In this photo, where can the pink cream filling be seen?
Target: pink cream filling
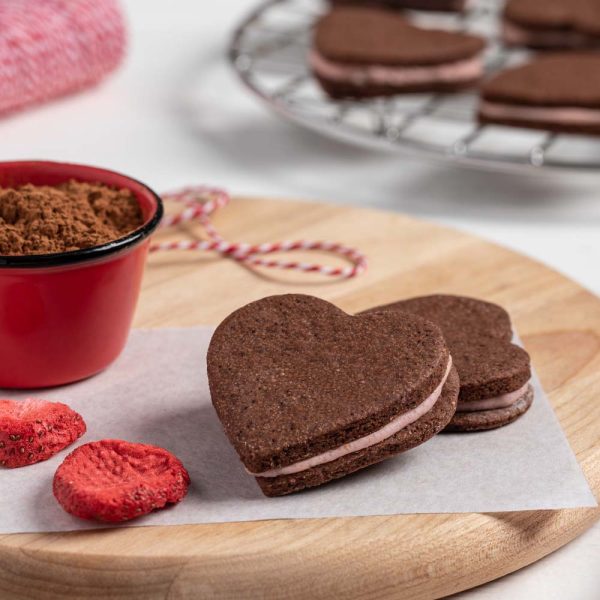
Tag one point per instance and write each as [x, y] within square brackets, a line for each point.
[501, 401]
[463, 70]
[367, 441]
[515, 35]
[566, 115]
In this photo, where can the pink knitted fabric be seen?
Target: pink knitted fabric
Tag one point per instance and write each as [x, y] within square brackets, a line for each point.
[53, 47]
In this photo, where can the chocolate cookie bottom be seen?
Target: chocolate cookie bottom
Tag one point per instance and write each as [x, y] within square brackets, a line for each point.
[491, 419]
[414, 434]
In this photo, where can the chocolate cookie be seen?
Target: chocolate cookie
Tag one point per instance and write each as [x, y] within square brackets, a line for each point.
[557, 92]
[552, 24]
[361, 52]
[494, 373]
[307, 393]
[434, 5]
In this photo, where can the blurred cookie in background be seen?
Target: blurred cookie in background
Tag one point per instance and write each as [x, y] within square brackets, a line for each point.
[556, 92]
[552, 24]
[361, 52]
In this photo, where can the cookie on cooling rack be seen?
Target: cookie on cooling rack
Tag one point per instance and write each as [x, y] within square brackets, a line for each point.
[494, 373]
[307, 393]
[433, 5]
[555, 92]
[552, 24]
[362, 52]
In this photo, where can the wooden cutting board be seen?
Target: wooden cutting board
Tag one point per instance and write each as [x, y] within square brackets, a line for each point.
[406, 556]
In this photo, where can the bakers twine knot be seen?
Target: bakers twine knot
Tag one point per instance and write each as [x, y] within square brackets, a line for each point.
[201, 202]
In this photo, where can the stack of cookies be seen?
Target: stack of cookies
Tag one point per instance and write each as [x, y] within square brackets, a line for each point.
[364, 49]
[307, 393]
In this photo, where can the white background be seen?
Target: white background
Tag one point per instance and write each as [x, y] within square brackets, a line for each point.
[175, 115]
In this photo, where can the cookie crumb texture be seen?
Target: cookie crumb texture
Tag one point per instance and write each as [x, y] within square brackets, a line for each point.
[34, 430]
[411, 436]
[115, 480]
[71, 216]
[479, 336]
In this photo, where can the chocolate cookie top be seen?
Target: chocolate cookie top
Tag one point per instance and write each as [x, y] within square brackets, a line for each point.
[579, 15]
[569, 79]
[370, 35]
[478, 334]
[456, 315]
[488, 367]
[293, 376]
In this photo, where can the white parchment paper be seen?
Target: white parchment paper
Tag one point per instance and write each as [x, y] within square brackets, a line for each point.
[157, 393]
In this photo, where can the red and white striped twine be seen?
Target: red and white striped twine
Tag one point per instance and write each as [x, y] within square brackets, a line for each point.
[201, 202]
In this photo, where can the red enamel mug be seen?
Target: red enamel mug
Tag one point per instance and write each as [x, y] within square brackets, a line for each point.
[66, 316]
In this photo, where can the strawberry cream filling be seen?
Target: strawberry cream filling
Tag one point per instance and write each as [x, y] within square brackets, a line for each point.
[463, 70]
[493, 403]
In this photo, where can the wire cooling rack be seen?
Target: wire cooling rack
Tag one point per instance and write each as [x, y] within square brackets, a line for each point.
[269, 50]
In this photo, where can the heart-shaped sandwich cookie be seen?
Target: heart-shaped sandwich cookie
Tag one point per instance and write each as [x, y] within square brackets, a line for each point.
[559, 92]
[361, 52]
[307, 393]
[494, 374]
[552, 24]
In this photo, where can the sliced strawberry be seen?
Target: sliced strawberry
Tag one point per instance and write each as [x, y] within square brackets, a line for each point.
[33, 430]
[114, 480]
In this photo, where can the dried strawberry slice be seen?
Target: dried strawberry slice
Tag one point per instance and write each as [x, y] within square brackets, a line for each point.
[114, 480]
[33, 430]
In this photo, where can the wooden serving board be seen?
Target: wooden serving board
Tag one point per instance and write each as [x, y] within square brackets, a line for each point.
[406, 556]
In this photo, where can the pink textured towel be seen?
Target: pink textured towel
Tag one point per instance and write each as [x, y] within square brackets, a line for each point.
[52, 47]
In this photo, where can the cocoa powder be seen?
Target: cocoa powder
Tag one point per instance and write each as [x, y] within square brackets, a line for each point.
[74, 215]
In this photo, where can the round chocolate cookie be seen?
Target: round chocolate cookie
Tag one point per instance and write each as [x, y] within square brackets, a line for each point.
[368, 51]
[307, 393]
[493, 372]
[557, 92]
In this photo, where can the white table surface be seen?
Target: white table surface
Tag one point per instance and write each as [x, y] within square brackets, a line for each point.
[174, 114]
